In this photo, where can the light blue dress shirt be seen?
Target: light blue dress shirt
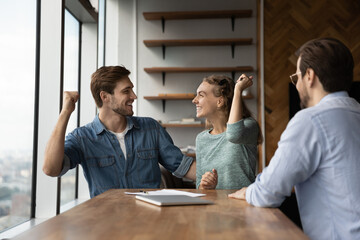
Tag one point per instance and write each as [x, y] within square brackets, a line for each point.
[319, 154]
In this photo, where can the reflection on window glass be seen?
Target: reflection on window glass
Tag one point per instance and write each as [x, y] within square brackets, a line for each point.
[71, 76]
[17, 84]
[101, 34]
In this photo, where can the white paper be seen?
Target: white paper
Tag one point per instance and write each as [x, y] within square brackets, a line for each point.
[167, 192]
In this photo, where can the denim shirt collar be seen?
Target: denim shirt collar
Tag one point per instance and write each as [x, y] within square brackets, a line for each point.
[99, 127]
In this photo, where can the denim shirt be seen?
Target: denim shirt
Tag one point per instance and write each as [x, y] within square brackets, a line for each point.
[105, 167]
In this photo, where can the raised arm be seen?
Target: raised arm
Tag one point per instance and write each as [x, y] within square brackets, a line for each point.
[54, 152]
[236, 112]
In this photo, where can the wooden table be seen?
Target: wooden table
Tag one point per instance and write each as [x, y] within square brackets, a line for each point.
[114, 215]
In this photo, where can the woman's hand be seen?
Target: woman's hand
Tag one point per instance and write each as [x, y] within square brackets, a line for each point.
[243, 82]
[209, 180]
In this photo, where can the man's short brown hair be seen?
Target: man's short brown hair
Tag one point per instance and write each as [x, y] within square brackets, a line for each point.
[331, 61]
[105, 79]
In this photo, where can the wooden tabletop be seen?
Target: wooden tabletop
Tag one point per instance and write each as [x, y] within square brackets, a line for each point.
[115, 215]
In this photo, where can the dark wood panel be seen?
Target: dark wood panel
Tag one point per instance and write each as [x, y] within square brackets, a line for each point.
[288, 25]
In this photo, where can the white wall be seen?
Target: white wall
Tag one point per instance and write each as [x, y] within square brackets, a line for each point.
[88, 107]
[208, 56]
[49, 100]
[49, 97]
[123, 17]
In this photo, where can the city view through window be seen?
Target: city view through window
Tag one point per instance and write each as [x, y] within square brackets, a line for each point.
[17, 84]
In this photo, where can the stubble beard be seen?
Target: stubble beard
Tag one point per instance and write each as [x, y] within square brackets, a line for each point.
[304, 100]
[123, 112]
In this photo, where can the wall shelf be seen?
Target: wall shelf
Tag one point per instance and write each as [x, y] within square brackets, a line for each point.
[198, 42]
[232, 14]
[177, 125]
[229, 39]
[164, 70]
[168, 98]
[164, 98]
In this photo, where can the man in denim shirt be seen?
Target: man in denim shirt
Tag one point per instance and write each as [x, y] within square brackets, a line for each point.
[116, 150]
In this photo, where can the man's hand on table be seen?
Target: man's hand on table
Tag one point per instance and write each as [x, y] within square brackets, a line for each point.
[240, 194]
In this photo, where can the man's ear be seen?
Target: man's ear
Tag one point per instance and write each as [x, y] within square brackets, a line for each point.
[310, 77]
[105, 96]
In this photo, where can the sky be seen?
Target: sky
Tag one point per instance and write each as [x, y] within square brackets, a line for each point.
[17, 71]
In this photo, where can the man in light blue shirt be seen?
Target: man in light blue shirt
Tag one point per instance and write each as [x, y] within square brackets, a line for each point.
[319, 151]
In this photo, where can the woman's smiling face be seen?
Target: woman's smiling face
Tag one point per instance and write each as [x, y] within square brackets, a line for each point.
[205, 101]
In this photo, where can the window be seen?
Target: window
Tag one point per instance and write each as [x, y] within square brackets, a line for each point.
[17, 82]
[101, 34]
[71, 83]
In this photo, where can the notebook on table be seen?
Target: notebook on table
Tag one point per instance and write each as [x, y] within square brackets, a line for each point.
[171, 200]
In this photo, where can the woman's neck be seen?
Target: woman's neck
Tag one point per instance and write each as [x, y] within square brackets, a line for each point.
[219, 124]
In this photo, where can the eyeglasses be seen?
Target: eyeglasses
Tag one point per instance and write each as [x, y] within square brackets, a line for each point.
[294, 78]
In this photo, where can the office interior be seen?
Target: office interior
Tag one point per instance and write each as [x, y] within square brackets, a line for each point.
[53, 46]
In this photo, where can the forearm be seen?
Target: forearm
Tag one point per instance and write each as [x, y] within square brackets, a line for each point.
[54, 152]
[236, 112]
[259, 197]
[191, 173]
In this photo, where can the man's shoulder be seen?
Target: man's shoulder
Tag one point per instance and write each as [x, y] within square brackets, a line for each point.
[144, 122]
[339, 105]
[84, 130]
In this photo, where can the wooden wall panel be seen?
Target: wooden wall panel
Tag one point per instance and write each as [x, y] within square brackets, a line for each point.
[288, 25]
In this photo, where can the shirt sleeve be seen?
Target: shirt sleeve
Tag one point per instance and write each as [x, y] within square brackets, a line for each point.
[198, 162]
[171, 156]
[244, 131]
[296, 159]
[73, 153]
[66, 166]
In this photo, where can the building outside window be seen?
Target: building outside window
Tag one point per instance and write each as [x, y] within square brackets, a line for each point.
[17, 84]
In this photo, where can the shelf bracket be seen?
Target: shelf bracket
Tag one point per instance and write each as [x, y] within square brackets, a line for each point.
[163, 50]
[163, 104]
[163, 78]
[163, 24]
[233, 49]
[232, 23]
[233, 75]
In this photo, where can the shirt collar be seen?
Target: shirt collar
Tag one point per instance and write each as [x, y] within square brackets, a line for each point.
[132, 122]
[334, 95]
[100, 127]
